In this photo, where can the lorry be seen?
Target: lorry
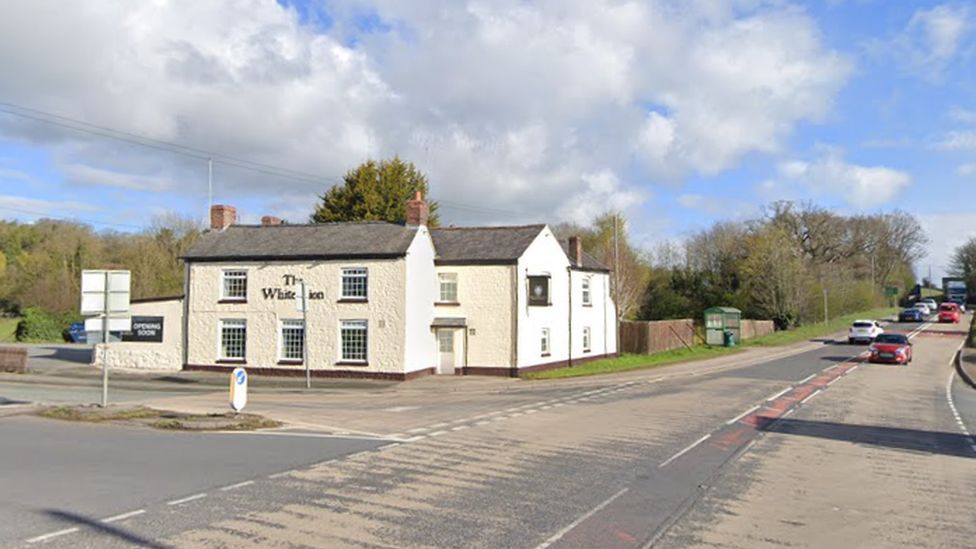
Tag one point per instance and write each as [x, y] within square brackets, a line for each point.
[954, 289]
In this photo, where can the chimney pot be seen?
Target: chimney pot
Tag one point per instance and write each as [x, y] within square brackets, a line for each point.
[576, 251]
[270, 220]
[222, 216]
[417, 210]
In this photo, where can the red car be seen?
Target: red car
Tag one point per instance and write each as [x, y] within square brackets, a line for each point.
[949, 312]
[892, 348]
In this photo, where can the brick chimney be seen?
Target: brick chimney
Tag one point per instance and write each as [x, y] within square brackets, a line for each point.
[222, 216]
[417, 210]
[270, 220]
[576, 251]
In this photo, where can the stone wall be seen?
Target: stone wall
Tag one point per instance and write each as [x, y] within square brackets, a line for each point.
[13, 359]
[166, 355]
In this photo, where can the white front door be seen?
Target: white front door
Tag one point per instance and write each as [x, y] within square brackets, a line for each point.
[445, 348]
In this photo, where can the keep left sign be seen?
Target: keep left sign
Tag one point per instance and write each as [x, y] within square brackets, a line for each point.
[238, 389]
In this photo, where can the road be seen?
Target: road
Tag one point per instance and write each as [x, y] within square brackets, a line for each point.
[811, 449]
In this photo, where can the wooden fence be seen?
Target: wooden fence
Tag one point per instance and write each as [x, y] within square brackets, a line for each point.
[13, 359]
[643, 337]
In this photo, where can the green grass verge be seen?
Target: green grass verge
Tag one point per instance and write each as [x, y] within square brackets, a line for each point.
[8, 329]
[637, 362]
[633, 362]
[811, 331]
[931, 292]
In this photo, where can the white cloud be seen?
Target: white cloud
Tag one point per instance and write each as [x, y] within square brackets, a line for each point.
[966, 169]
[930, 41]
[509, 106]
[830, 174]
[958, 141]
[21, 206]
[965, 116]
[946, 232]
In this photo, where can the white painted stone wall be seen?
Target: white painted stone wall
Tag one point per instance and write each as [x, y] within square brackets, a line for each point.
[420, 348]
[385, 313]
[599, 316]
[485, 301]
[544, 256]
[167, 355]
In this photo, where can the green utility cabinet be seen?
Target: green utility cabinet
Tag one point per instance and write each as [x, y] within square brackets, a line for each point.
[722, 326]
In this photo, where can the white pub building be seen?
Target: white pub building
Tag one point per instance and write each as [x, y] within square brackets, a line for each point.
[388, 300]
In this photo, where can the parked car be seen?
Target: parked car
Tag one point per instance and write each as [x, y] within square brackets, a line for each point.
[949, 312]
[924, 307]
[893, 348]
[932, 303]
[864, 331]
[911, 315]
[76, 333]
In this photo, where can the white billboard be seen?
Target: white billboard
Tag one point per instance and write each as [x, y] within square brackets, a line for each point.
[93, 292]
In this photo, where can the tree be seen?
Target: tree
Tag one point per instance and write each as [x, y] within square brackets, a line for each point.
[776, 280]
[375, 191]
[963, 263]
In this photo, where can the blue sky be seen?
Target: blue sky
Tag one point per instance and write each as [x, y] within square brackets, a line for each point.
[679, 113]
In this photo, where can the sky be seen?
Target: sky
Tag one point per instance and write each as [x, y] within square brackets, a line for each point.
[679, 113]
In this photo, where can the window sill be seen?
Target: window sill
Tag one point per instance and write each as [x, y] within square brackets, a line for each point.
[587, 304]
[586, 351]
[353, 300]
[352, 363]
[289, 362]
[446, 304]
[231, 361]
[232, 301]
[540, 304]
[546, 354]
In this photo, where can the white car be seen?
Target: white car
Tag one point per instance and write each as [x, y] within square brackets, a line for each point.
[864, 331]
[924, 307]
[933, 306]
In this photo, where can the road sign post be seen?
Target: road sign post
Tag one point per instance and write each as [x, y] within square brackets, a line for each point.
[105, 295]
[238, 389]
[301, 303]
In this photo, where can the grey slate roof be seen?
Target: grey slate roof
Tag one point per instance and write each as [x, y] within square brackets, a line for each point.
[482, 245]
[590, 263]
[314, 241]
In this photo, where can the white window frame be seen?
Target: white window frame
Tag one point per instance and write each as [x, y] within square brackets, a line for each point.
[587, 339]
[587, 298]
[354, 324]
[226, 323]
[545, 343]
[234, 273]
[446, 278]
[290, 324]
[354, 272]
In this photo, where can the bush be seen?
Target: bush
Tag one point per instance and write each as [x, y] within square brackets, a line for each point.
[39, 326]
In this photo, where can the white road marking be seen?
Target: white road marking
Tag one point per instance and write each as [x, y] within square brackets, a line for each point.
[558, 535]
[400, 408]
[437, 433]
[832, 381]
[546, 408]
[779, 394]
[124, 516]
[282, 474]
[306, 435]
[480, 423]
[532, 411]
[238, 485]
[418, 430]
[438, 425]
[686, 450]
[388, 446]
[811, 395]
[187, 499]
[952, 403]
[742, 415]
[460, 427]
[806, 379]
[52, 535]
[415, 439]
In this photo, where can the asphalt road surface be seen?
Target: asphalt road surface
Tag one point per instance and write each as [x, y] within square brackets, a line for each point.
[714, 457]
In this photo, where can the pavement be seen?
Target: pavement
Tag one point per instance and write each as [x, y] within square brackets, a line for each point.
[714, 453]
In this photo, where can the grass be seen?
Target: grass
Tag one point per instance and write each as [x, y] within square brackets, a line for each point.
[811, 331]
[638, 362]
[160, 419]
[931, 292]
[8, 329]
[972, 334]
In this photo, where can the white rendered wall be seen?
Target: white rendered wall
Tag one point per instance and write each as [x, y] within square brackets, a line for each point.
[544, 256]
[599, 316]
[485, 302]
[133, 355]
[420, 347]
[384, 312]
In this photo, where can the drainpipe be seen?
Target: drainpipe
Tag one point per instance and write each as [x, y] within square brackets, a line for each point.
[569, 279]
[185, 321]
[515, 313]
